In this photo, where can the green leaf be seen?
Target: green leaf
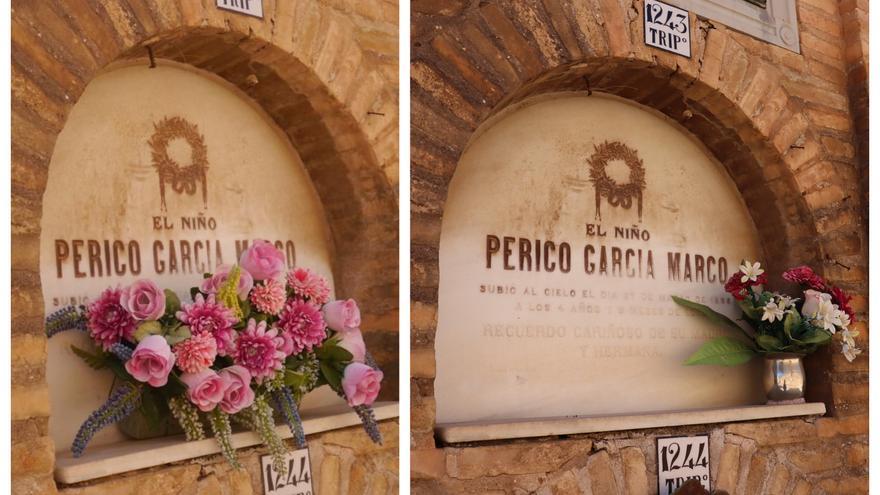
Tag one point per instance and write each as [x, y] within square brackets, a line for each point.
[713, 316]
[245, 308]
[172, 302]
[293, 379]
[147, 328]
[749, 310]
[815, 336]
[333, 353]
[769, 343]
[723, 351]
[332, 375]
[178, 334]
[95, 361]
[792, 322]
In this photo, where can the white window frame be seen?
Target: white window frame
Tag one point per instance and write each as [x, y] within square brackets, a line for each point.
[776, 24]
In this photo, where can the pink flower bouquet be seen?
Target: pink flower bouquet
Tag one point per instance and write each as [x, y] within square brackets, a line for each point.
[255, 339]
[778, 323]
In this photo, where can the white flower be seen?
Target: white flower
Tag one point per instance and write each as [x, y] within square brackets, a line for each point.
[772, 312]
[828, 316]
[844, 319]
[786, 302]
[848, 346]
[750, 271]
[849, 336]
[850, 352]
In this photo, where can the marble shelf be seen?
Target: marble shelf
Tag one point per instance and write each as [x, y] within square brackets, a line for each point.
[106, 460]
[481, 431]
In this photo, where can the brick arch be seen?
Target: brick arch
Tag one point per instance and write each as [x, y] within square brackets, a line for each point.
[473, 59]
[309, 74]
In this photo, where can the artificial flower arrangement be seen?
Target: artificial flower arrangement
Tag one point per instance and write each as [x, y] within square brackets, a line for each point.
[252, 342]
[779, 323]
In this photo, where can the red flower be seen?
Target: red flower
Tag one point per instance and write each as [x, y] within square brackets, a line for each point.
[841, 298]
[735, 287]
[805, 276]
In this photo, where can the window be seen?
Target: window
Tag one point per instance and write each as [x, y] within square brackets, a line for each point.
[774, 21]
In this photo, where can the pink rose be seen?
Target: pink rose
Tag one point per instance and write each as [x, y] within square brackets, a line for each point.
[353, 342]
[361, 384]
[151, 361]
[238, 393]
[342, 316]
[263, 260]
[812, 299]
[205, 389]
[144, 300]
[212, 285]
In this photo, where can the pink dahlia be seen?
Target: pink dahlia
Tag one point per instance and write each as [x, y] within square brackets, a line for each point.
[307, 284]
[196, 353]
[259, 350]
[210, 317]
[109, 322]
[303, 323]
[269, 297]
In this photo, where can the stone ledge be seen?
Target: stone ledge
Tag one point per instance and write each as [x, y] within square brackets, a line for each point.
[481, 431]
[132, 455]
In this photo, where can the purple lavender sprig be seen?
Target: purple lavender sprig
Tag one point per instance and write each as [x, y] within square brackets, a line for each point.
[369, 361]
[121, 351]
[368, 419]
[122, 402]
[287, 405]
[67, 318]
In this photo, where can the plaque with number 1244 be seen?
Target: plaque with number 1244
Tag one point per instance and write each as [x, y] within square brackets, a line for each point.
[296, 481]
[680, 459]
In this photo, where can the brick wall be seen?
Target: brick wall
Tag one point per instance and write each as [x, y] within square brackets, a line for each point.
[325, 71]
[789, 128]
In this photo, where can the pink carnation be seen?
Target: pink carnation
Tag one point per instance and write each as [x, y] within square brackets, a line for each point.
[109, 322]
[269, 297]
[303, 324]
[259, 350]
[307, 284]
[197, 353]
[210, 317]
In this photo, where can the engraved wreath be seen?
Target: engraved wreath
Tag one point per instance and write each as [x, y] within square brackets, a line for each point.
[618, 194]
[182, 179]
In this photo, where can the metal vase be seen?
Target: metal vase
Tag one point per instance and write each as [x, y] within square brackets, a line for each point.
[784, 377]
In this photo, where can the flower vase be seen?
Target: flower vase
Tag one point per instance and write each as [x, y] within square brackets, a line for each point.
[784, 378]
[138, 426]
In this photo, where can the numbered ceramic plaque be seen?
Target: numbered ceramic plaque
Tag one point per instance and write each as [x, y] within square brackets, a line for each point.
[297, 480]
[667, 28]
[680, 459]
[569, 223]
